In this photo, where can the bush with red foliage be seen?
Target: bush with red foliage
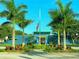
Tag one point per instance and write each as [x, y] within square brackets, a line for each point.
[9, 48]
[18, 47]
[59, 47]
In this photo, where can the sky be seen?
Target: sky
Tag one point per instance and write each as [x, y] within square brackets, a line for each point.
[33, 13]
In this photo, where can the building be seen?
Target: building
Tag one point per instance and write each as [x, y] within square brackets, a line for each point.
[41, 37]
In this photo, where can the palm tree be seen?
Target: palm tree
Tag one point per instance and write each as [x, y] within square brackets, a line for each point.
[56, 23]
[22, 25]
[66, 16]
[13, 14]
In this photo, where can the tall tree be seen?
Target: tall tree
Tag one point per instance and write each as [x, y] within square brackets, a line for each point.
[67, 16]
[13, 14]
[56, 23]
[22, 25]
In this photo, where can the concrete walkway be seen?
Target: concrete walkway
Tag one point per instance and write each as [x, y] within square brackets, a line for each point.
[38, 54]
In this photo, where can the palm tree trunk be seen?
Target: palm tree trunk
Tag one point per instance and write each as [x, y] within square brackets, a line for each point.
[73, 41]
[13, 38]
[58, 38]
[64, 39]
[23, 44]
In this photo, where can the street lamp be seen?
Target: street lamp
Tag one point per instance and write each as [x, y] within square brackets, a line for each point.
[76, 34]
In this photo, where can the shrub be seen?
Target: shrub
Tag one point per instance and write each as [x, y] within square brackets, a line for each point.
[18, 47]
[26, 49]
[59, 47]
[49, 48]
[39, 46]
[9, 48]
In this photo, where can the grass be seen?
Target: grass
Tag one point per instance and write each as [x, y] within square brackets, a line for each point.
[5, 45]
[1, 50]
[45, 48]
[74, 45]
[50, 49]
[67, 51]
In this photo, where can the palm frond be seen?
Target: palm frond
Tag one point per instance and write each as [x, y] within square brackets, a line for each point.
[22, 7]
[60, 5]
[11, 6]
[3, 2]
[4, 13]
[24, 23]
[21, 13]
[54, 13]
[6, 23]
[68, 5]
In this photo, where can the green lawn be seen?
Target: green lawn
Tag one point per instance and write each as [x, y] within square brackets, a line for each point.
[5, 45]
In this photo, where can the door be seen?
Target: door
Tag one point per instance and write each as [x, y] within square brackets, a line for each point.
[42, 40]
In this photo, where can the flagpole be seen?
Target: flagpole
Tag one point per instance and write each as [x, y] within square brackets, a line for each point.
[39, 13]
[39, 19]
[38, 24]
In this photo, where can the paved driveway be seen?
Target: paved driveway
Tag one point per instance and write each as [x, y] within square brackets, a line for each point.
[39, 55]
